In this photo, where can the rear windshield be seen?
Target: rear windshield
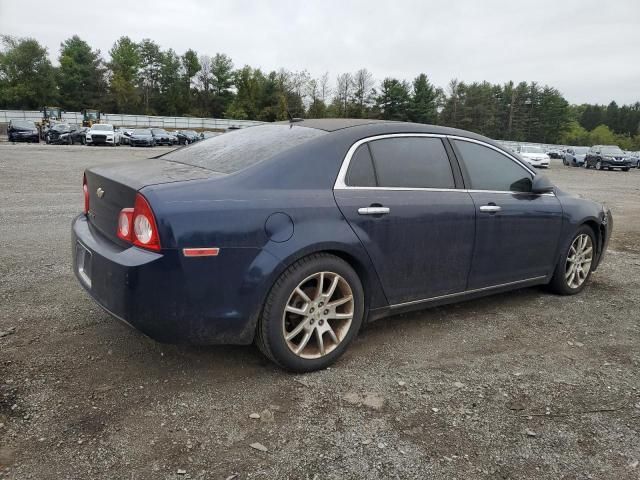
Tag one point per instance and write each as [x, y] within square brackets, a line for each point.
[239, 149]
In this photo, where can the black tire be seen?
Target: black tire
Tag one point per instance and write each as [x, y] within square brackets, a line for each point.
[270, 337]
[625, 169]
[558, 282]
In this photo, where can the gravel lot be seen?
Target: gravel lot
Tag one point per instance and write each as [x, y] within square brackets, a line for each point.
[518, 385]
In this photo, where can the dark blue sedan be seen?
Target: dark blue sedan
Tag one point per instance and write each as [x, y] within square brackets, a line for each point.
[293, 235]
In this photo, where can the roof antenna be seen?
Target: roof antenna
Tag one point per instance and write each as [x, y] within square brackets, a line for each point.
[293, 119]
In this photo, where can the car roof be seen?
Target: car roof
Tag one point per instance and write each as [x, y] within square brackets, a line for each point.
[364, 126]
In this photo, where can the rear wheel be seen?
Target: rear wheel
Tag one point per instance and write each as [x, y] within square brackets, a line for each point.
[574, 266]
[312, 313]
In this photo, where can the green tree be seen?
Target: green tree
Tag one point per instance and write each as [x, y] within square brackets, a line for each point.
[27, 78]
[249, 84]
[423, 108]
[81, 81]
[222, 80]
[190, 67]
[394, 100]
[592, 116]
[602, 135]
[172, 99]
[124, 67]
[574, 134]
[149, 74]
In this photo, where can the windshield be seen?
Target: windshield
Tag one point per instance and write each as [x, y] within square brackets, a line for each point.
[189, 132]
[581, 150]
[61, 127]
[23, 124]
[142, 132]
[530, 149]
[158, 131]
[240, 149]
[611, 150]
[102, 127]
[91, 115]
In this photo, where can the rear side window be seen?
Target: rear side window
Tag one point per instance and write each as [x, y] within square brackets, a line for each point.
[489, 169]
[411, 162]
[239, 149]
[361, 173]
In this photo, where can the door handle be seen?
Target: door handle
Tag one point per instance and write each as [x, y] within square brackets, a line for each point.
[490, 208]
[373, 210]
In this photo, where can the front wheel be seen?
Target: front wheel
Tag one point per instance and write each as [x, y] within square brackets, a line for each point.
[598, 165]
[313, 312]
[574, 267]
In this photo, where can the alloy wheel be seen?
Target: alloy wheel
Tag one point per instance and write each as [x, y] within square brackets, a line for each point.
[318, 315]
[579, 260]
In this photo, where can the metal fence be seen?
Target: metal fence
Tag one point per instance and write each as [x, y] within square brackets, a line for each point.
[117, 119]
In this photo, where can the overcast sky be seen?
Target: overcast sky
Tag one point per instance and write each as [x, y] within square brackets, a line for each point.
[588, 49]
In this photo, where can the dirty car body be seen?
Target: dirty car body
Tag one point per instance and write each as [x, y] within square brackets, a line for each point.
[235, 211]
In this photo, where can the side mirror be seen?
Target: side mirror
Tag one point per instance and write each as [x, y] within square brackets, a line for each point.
[541, 184]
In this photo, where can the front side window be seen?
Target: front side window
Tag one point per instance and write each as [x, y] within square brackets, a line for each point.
[489, 169]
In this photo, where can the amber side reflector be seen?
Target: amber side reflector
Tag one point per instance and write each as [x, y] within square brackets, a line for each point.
[200, 252]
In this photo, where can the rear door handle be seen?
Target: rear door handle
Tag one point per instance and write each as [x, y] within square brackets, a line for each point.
[490, 208]
[373, 210]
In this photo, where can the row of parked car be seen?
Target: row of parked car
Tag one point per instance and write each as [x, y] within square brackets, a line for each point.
[601, 157]
[100, 134]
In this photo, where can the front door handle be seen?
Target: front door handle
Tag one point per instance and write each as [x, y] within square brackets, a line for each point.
[490, 208]
[373, 210]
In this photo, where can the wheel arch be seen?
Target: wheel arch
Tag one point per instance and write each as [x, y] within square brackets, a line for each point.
[599, 233]
[359, 261]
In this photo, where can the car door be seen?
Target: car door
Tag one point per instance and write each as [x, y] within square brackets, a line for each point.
[517, 231]
[399, 194]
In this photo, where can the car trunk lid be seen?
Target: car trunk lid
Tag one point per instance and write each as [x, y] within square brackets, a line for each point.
[112, 188]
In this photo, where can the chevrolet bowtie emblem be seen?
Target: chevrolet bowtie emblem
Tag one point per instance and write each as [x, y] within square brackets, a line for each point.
[100, 192]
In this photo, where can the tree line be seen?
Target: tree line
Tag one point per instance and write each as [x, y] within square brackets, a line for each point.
[142, 78]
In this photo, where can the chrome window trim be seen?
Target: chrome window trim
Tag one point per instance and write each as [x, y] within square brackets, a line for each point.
[342, 173]
[465, 292]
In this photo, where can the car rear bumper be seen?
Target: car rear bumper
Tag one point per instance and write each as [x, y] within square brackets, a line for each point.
[170, 298]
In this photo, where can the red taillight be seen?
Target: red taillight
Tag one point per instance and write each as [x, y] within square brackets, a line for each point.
[137, 225]
[85, 190]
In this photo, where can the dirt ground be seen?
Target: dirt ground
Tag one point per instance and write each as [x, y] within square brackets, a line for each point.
[520, 385]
